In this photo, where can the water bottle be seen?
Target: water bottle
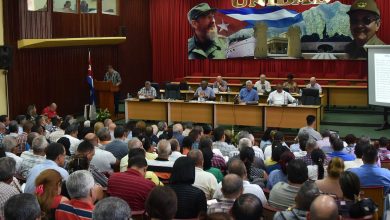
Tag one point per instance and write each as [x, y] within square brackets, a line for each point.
[300, 92]
[162, 96]
[189, 88]
[221, 98]
[228, 89]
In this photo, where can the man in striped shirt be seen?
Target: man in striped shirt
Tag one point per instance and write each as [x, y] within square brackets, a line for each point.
[148, 91]
[113, 76]
[83, 192]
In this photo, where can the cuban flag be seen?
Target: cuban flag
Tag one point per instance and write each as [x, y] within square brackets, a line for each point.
[92, 98]
[274, 16]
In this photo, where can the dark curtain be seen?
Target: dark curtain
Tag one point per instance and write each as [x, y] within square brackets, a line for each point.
[170, 30]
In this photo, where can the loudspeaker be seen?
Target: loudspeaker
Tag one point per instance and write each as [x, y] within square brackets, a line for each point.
[5, 57]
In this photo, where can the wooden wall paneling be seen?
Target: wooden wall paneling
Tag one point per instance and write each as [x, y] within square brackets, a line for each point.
[109, 25]
[65, 25]
[134, 56]
[89, 25]
[34, 24]
[41, 76]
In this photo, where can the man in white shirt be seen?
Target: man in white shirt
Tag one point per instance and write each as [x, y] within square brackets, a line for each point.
[314, 85]
[204, 181]
[133, 144]
[358, 162]
[236, 166]
[103, 160]
[258, 152]
[263, 86]
[175, 146]
[279, 96]
[59, 133]
[71, 133]
[10, 146]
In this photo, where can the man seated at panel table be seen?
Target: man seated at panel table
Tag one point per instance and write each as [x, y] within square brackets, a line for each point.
[314, 85]
[148, 91]
[248, 94]
[204, 92]
[220, 84]
[263, 86]
[279, 96]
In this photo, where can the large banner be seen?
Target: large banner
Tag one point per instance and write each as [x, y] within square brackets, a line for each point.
[322, 31]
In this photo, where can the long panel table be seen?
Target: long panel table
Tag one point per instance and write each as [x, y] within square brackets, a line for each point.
[353, 95]
[221, 113]
[229, 97]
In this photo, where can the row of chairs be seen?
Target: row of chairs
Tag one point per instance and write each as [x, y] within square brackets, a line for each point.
[276, 81]
[375, 193]
[284, 75]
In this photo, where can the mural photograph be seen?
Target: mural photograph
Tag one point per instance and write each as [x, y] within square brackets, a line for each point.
[324, 31]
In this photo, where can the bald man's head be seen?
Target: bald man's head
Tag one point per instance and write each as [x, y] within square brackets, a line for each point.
[236, 166]
[91, 138]
[232, 186]
[324, 208]
[134, 143]
[313, 81]
[112, 126]
[197, 156]
[262, 78]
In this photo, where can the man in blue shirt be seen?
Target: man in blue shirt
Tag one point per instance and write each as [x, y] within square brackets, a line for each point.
[55, 159]
[369, 173]
[338, 147]
[204, 92]
[248, 94]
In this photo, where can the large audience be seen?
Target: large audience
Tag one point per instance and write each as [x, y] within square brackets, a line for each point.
[64, 168]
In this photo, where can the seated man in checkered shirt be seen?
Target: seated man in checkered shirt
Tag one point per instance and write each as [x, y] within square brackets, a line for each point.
[148, 91]
[232, 188]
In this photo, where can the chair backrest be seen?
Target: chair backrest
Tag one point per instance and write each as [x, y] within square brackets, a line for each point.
[343, 83]
[368, 217]
[172, 91]
[183, 86]
[156, 86]
[385, 164]
[269, 212]
[301, 82]
[163, 173]
[310, 96]
[138, 215]
[323, 82]
[376, 193]
[362, 84]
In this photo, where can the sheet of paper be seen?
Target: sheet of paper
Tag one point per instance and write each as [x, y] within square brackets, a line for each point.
[382, 77]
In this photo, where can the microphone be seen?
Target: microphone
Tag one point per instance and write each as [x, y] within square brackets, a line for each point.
[284, 99]
[236, 99]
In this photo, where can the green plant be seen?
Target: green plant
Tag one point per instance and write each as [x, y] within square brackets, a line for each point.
[102, 115]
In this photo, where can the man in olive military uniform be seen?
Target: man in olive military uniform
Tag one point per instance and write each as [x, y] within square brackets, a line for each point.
[364, 19]
[206, 43]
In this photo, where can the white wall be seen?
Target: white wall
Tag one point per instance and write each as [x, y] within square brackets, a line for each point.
[3, 87]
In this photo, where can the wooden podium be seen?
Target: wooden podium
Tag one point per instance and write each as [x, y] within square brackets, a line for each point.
[106, 92]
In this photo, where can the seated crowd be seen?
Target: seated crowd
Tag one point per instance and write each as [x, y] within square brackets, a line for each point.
[59, 168]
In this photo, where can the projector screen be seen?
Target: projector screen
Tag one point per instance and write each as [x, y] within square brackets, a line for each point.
[379, 75]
